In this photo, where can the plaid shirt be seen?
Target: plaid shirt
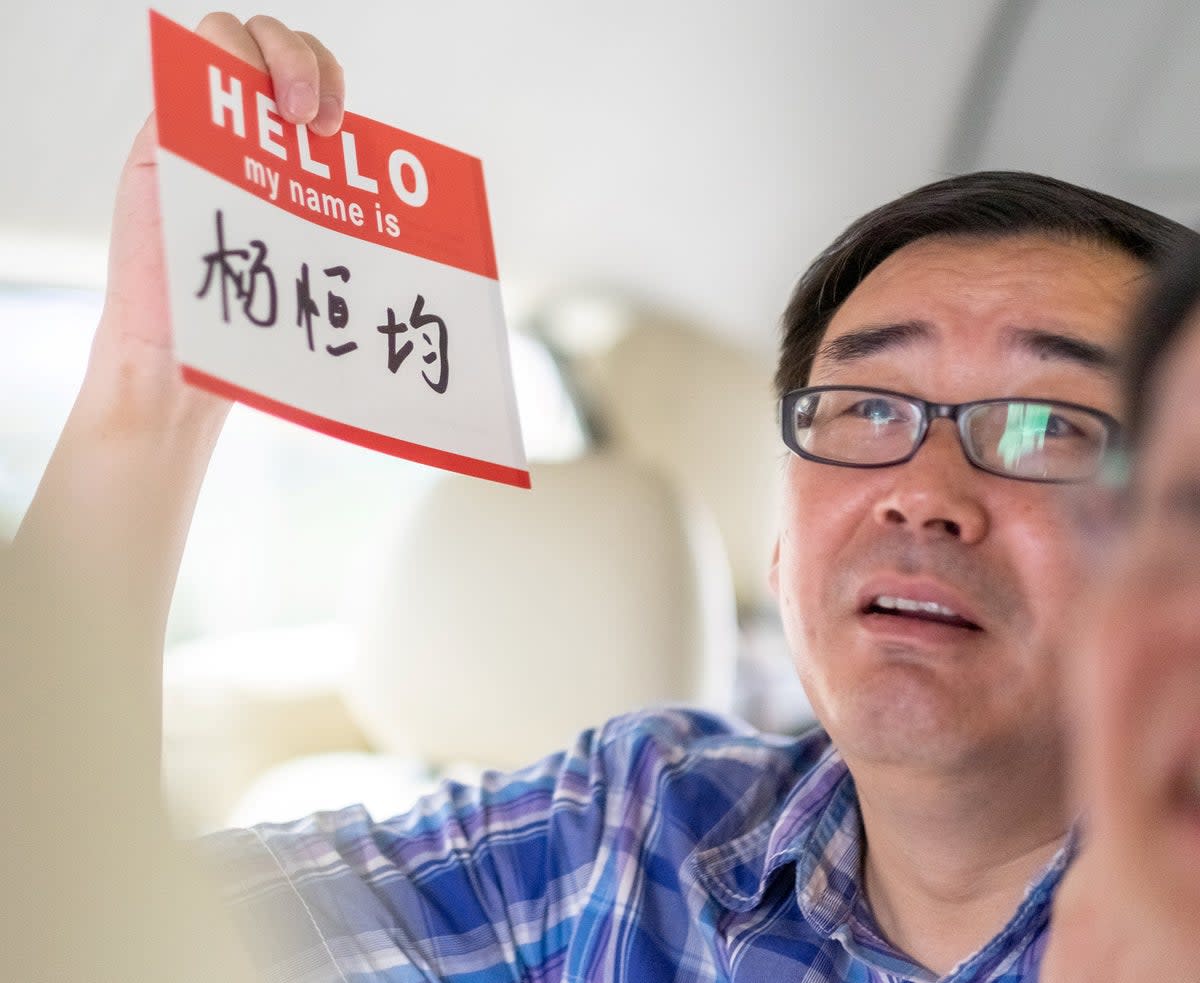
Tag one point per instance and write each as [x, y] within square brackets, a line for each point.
[670, 845]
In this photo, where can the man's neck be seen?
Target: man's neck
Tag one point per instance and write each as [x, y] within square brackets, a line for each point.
[948, 858]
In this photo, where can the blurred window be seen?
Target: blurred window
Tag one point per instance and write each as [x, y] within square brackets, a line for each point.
[284, 511]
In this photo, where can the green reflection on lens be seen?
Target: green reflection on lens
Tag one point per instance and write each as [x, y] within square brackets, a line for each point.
[1115, 470]
[1024, 432]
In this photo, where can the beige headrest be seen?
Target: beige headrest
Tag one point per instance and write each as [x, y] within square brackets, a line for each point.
[703, 411]
[502, 622]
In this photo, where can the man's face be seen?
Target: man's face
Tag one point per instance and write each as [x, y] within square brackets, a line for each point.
[978, 319]
[1145, 680]
[1137, 673]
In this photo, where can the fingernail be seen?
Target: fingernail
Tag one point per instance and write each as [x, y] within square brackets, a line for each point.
[330, 114]
[301, 101]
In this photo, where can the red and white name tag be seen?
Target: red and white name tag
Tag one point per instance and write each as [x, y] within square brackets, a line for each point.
[346, 283]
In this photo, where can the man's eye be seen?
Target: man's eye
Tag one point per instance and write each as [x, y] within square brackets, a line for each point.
[1060, 427]
[878, 411]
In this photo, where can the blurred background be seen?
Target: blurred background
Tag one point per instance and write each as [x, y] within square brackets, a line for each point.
[659, 174]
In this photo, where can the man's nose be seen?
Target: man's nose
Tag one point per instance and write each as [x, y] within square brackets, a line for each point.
[936, 493]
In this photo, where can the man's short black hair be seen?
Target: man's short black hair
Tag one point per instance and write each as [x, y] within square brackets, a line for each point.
[985, 204]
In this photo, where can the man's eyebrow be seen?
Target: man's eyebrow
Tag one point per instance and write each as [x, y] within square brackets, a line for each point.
[867, 341]
[1055, 346]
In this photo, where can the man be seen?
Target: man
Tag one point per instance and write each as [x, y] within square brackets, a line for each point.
[961, 342]
[928, 635]
[1129, 909]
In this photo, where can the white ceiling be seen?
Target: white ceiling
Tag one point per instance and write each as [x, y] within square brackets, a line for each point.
[692, 153]
[1106, 94]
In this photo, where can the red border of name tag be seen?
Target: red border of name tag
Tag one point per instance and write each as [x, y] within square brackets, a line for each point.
[364, 438]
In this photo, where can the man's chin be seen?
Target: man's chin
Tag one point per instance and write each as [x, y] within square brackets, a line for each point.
[905, 721]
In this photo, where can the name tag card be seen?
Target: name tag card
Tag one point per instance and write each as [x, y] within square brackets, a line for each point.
[345, 283]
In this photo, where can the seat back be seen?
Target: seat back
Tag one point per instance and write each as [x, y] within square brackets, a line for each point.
[502, 622]
[664, 390]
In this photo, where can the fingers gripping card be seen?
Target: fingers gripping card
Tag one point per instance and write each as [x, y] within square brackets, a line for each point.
[346, 283]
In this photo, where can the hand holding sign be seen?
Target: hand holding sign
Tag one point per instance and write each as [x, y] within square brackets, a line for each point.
[135, 328]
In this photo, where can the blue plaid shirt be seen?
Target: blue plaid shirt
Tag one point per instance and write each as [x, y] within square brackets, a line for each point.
[670, 845]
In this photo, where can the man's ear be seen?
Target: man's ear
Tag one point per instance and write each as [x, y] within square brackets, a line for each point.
[773, 570]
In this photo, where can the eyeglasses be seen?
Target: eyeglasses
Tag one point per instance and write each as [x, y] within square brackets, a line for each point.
[1029, 439]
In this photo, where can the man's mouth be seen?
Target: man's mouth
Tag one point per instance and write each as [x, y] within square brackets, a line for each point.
[930, 611]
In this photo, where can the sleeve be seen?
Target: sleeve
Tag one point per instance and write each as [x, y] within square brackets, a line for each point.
[474, 884]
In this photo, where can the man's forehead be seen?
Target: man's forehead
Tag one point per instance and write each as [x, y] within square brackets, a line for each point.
[1025, 268]
[1027, 295]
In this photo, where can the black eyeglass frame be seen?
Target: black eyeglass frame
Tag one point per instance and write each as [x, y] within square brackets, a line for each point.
[946, 411]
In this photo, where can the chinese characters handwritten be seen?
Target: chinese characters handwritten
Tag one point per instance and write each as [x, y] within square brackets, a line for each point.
[245, 281]
[245, 274]
[419, 321]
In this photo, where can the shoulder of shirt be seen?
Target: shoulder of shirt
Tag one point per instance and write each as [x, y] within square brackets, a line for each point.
[671, 758]
[703, 746]
[681, 731]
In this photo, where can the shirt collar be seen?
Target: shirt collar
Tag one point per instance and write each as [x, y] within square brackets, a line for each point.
[817, 829]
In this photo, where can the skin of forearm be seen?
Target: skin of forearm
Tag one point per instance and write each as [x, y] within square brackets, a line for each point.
[84, 593]
[100, 546]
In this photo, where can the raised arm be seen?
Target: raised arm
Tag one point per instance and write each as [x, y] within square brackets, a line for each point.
[84, 594]
[105, 533]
